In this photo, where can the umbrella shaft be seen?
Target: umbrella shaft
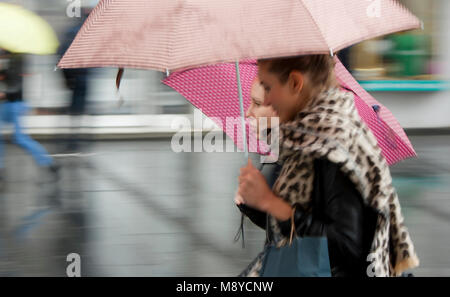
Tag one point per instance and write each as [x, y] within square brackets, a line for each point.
[241, 106]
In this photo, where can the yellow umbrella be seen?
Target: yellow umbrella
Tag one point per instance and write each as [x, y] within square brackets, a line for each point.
[22, 31]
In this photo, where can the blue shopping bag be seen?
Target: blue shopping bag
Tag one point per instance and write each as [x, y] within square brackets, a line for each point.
[305, 257]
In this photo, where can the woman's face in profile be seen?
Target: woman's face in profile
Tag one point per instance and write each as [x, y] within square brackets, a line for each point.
[257, 108]
[283, 97]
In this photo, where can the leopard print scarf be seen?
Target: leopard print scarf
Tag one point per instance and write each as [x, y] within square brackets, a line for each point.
[330, 127]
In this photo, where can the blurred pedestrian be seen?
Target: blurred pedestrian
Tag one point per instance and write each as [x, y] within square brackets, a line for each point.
[12, 107]
[334, 181]
[77, 81]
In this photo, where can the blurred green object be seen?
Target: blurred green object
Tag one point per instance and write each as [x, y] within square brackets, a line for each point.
[410, 53]
[22, 31]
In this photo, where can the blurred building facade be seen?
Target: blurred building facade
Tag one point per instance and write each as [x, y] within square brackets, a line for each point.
[408, 72]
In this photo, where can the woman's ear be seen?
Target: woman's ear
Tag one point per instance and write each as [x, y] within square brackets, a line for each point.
[296, 80]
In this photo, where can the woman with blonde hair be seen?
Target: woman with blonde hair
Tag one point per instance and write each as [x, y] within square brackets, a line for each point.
[334, 181]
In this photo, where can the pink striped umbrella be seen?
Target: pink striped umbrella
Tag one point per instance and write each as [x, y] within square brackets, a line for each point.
[212, 89]
[172, 35]
[391, 137]
[176, 34]
[347, 80]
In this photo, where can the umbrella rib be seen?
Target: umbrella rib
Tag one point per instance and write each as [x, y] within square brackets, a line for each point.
[171, 43]
[317, 25]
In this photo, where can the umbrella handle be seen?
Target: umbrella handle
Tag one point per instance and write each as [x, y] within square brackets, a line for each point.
[119, 77]
[241, 106]
[118, 81]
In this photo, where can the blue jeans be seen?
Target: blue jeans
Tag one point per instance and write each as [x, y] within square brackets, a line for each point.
[10, 112]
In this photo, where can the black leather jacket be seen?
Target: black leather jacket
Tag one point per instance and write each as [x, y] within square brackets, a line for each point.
[338, 213]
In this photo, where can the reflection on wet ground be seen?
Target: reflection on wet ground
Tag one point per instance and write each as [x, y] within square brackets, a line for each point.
[135, 208]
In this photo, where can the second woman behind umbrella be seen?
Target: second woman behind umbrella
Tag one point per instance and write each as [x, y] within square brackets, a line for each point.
[258, 111]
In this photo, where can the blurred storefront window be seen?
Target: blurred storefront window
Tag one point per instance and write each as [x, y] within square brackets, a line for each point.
[403, 61]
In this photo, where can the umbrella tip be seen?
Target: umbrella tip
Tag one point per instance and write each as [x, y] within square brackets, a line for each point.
[56, 68]
[331, 52]
[167, 72]
[422, 25]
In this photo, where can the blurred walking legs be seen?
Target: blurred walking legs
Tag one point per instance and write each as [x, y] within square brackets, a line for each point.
[11, 112]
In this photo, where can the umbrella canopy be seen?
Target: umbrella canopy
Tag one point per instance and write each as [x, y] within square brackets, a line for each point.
[391, 137]
[170, 35]
[177, 34]
[347, 80]
[22, 31]
[212, 89]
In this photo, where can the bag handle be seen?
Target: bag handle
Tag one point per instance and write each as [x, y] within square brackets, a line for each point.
[294, 207]
[292, 224]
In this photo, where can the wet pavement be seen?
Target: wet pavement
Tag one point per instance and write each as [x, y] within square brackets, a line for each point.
[135, 208]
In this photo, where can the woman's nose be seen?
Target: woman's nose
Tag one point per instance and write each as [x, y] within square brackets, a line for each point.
[266, 102]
